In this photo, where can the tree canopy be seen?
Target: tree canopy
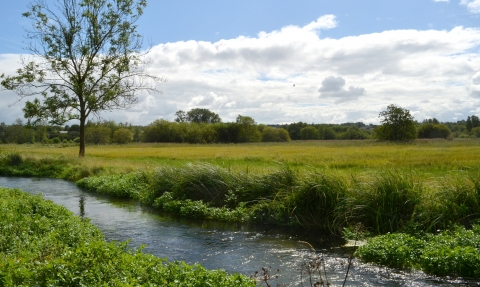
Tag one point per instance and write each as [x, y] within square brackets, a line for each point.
[397, 124]
[85, 59]
[431, 131]
[198, 116]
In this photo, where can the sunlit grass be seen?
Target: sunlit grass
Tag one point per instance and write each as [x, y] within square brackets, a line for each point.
[434, 157]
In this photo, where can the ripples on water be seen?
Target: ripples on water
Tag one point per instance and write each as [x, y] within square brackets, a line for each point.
[233, 248]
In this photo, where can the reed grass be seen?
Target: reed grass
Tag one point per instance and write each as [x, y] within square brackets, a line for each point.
[387, 202]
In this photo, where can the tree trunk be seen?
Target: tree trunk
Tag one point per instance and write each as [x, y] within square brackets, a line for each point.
[81, 153]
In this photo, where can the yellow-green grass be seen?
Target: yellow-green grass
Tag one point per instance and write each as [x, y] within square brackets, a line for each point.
[429, 157]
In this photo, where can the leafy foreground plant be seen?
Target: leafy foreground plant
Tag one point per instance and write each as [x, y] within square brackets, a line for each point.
[454, 253]
[42, 244]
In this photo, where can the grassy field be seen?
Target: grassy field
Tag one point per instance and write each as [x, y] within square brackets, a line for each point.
[427, 157]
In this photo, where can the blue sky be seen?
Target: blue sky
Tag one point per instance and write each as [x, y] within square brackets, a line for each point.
[181, 20]
[347, 59]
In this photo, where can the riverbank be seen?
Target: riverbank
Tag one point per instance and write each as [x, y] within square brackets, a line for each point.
[392, 200]
[44, 244]
[438, 192]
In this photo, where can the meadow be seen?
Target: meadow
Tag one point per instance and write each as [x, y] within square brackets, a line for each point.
[427, 157]
[349, 188]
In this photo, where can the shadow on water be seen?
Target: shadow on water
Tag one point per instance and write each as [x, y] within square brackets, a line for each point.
[232, 247]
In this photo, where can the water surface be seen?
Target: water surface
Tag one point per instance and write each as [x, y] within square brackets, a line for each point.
[234, 248]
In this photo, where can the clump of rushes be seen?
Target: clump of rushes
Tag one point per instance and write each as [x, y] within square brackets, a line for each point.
[388, 202]
[14, 164]
[454, 200]
[14, 159]
[42, 244]
[319, 201]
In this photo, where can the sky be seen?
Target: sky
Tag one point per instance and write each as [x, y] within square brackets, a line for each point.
[282, 61]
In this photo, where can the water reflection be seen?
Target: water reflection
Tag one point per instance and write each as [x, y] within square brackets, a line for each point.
[81, 204]
[235, 248]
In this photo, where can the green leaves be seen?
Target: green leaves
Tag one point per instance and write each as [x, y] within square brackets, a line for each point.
[397, 124]
[42, 244]
[86, 60]
[454, 253]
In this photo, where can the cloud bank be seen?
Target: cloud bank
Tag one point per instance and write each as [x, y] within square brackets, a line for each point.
[294, 74]
[472, 5]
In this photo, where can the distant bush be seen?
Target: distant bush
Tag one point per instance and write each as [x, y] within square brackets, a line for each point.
[326, 133]
[122, 136]
[270, 134]
[56, 140]
[475, 132]
[309, 133]
[97, 134]
[431, 131]
[352, 133]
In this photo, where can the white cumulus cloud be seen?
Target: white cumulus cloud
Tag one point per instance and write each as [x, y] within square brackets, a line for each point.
[472, 5]
[286, 75]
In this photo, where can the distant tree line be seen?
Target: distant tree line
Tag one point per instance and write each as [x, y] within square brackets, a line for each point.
[204, 126]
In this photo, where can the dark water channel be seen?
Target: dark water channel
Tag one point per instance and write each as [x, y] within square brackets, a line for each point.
[233, 248]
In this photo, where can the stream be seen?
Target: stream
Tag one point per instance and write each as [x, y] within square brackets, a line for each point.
[234, 248]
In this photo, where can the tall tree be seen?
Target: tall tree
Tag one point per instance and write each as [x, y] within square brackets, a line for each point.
[247, 129]
[202, 116]
[181, 116]
[86, 59]
[309, 133]
[469, 124]
[397, 124]
[475, 122]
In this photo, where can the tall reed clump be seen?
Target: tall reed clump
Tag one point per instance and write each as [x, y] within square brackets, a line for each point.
[13, 159]
[387, 204]
[221, 192]
[203, 182]
[453, 200]
[318, 202]
[14, 164]
[219, 186]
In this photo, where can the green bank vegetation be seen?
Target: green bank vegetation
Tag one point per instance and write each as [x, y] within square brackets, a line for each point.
[451, 252]
[385, 202]
[416, 188]
[42, 244]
